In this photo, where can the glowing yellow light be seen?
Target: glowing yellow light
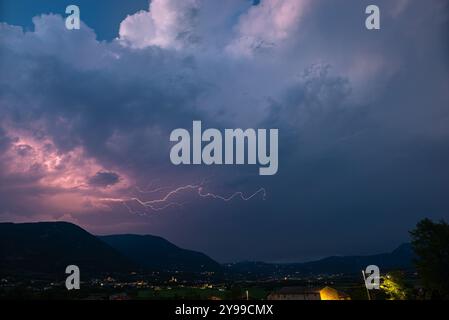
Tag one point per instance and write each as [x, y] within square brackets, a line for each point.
[328, 293]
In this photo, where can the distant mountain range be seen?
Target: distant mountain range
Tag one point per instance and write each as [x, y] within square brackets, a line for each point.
[48, 247]
[401, 258]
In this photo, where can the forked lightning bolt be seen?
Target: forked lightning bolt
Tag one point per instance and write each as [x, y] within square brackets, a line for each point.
[165, 201]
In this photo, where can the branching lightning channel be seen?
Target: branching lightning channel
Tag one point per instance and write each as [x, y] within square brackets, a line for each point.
[166, 202]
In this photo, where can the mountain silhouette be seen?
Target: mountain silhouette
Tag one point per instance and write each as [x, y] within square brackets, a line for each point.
[156, 253]
[401, 259]
[49, 247]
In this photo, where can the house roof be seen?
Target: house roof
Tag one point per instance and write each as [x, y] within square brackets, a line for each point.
[299, 290]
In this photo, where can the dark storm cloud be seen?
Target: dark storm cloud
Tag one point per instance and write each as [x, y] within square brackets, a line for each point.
[362, 118]
[104, 179]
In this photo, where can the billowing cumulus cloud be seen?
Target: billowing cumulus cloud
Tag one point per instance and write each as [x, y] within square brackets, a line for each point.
[167, 24]
[267, 25]
[362, 117]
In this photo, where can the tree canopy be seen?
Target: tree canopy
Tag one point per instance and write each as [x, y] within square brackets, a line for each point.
[430, 241]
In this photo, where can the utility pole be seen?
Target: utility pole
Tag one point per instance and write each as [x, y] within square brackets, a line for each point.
[364, 282]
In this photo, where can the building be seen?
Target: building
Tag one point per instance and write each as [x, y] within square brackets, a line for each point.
[329, 293]
[306, 293]
[119, 296]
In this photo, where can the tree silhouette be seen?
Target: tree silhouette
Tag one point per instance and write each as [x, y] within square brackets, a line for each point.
[430, 242]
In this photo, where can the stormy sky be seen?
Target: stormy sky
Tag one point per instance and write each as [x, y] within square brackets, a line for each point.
[363, 119]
